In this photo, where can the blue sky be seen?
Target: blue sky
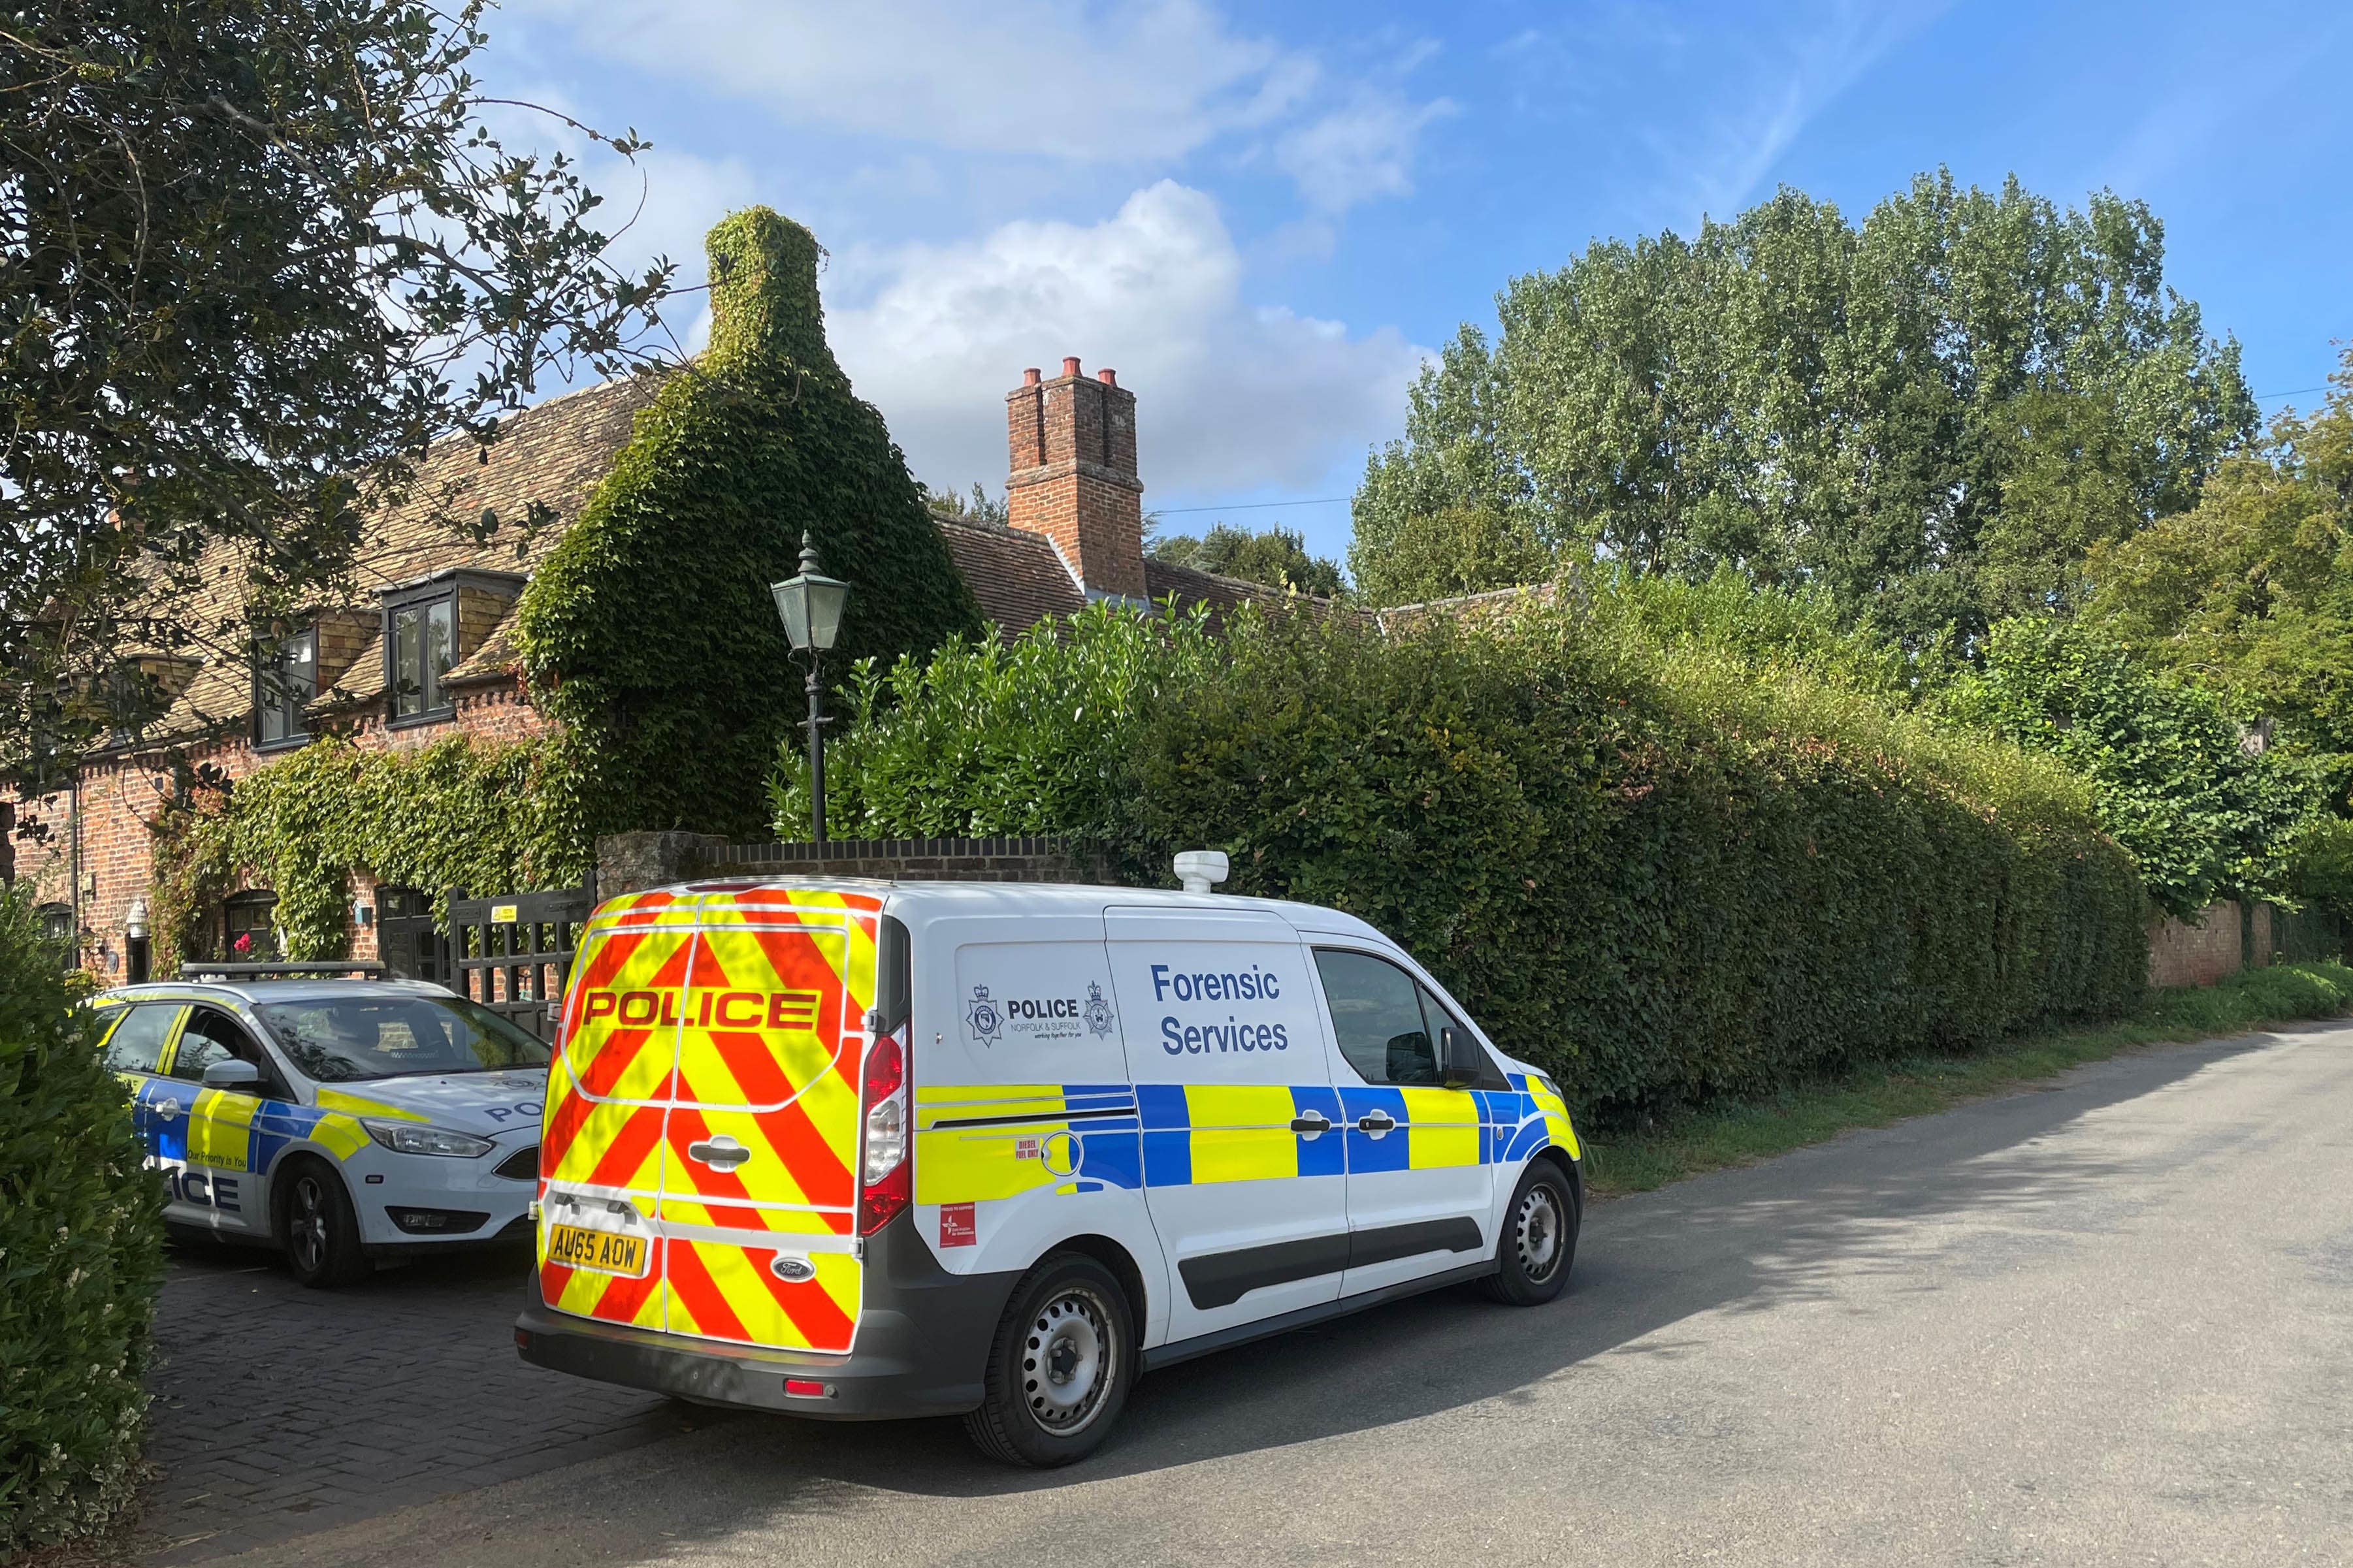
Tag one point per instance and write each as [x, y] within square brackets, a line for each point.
[1263, 215]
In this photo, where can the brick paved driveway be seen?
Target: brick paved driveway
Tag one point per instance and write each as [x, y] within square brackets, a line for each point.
[280, 1410]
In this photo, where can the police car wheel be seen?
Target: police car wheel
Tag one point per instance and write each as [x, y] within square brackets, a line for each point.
[316, 1226]
[1060, 1366]
[1539, 1239]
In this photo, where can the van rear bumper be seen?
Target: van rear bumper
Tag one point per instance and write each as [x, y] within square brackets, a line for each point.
[923, 1345]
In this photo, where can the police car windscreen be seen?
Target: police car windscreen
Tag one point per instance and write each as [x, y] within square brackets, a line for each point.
[343, 1040]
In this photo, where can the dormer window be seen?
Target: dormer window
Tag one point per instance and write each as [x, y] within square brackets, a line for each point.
[420, 645]
[284, 682]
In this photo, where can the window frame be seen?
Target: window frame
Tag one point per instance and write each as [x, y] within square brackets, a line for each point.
[69, 940]
[1438, 1012]
[422, 601]
[1413, 990]
[249, 897]
[271, 672]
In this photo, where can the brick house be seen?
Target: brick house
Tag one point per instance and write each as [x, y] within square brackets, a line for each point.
[430, 653]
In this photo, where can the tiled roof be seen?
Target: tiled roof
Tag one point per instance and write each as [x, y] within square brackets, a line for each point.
[553, 454]
[1018, 576]
[557, 454]
[1161, 578]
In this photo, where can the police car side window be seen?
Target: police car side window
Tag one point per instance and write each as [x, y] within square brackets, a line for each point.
[1377, 1015]
[212, 1037]
[137, 1043]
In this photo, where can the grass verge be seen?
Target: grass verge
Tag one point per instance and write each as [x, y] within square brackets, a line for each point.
[1710, 1138]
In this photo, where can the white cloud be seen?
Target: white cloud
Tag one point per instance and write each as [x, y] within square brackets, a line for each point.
[1360, 150]
[1228, 398]
[1120, 84]
[1142, 79]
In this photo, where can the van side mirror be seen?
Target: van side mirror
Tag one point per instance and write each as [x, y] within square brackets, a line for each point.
[1461, 1062]
[232, 1074]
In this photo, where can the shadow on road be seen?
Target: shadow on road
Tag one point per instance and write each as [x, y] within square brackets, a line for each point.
[1746, 1240]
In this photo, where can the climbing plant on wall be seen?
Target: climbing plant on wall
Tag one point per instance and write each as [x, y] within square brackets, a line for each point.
[650, 631]
[454, 813]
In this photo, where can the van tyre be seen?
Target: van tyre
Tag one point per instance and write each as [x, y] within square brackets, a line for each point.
[1539, 1240]
[318, 1229]
[1060, 1366]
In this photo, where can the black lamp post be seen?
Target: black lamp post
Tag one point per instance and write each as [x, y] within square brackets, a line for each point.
[810, 605]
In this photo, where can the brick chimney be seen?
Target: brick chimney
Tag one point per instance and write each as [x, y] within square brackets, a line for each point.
[1071, 443]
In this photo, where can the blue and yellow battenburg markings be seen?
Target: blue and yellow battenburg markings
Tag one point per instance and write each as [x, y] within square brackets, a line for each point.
[180, 1122]
[977, 1142]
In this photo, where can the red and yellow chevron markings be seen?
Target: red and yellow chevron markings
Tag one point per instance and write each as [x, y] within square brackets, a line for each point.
[710, 1064]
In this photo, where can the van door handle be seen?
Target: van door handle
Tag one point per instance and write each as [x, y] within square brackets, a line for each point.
[1311, 1123]
[1376, 1121]
[722, 1153]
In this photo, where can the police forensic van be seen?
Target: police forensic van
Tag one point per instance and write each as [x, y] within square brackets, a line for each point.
[343, 1122]
[869, 1148]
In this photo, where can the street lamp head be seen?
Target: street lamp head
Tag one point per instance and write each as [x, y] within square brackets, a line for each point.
[810, 605]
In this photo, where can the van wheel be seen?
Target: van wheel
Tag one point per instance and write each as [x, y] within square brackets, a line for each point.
[1060, 1366]
[318, 1229]
[1539, 1239]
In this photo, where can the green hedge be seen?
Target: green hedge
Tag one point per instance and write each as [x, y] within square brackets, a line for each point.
[1662, 869]
[80, 1255]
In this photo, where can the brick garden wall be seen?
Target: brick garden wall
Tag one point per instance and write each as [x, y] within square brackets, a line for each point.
[629, 862]
[2200, 951]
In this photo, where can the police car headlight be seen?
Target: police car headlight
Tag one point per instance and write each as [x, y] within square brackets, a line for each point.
[410, 1138]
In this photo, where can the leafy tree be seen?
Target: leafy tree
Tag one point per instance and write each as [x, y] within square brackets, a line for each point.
[978, 506]
[253, 258]
[1472, 547]
[649, 630]
[1931, 415]
[1277, 558]
[2251, 592]
[2204, 816]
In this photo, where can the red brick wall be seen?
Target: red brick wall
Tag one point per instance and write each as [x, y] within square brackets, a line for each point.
[120, 796]
[1071, 454]
[2196, 954]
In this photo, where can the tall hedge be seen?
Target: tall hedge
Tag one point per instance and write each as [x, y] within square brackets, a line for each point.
[80, 1254]
[650, 631]
[1662, 873]
[2203, 817]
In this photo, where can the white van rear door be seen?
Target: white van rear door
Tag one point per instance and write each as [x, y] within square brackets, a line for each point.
[1244, 1168]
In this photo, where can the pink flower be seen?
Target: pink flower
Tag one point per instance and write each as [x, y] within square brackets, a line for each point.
[244, 942]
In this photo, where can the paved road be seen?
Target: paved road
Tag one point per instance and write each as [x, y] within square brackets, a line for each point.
[2106, 1322]
[280, 1410]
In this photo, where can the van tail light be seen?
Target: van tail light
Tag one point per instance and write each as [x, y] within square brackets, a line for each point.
[885, 1177]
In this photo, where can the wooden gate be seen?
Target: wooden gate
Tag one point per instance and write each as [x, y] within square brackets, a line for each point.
[512, 952]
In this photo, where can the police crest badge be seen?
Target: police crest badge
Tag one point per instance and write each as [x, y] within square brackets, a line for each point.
[1098, 1010]
[983, 1016]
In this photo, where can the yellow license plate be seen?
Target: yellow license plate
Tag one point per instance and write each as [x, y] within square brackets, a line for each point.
[600, 1251]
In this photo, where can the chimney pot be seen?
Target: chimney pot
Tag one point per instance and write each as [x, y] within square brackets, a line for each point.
[1031, 377]
[1108, 378]
[1070, 365]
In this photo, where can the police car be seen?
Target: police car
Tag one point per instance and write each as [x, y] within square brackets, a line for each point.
[864, 1149]
[341, 1120]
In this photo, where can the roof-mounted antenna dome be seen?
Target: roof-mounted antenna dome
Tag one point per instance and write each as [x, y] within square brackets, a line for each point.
[1200, 869]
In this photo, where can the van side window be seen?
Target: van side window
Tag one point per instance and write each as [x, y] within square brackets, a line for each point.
[1376, 1013]
[137, 1042]
[1440, 1019]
